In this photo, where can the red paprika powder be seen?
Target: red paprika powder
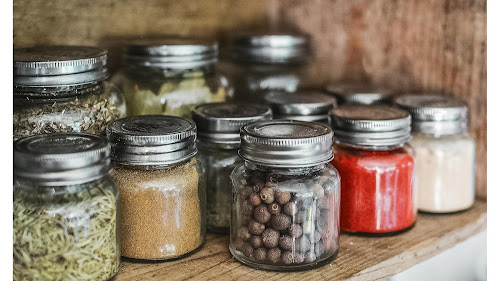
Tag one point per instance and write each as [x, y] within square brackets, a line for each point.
[375, 167]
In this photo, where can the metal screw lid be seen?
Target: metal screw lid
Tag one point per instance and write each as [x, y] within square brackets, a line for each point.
[434, 114]
[171, 52]
[305, 105]
[59, 65]
[371, 125]
[152, 140]
[221, 122]
[61, 158]
[359, 94]
[270, 48]
[286, 143]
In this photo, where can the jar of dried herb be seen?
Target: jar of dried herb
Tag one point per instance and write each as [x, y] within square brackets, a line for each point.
[218, 142]
[286, 196]
[162, 186]
[63, 89]
[65, 209]
[170, 76]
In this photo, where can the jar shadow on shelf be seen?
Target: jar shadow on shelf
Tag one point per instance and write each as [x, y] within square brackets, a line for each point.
[377, 235]
[434, 214]
[153, 261]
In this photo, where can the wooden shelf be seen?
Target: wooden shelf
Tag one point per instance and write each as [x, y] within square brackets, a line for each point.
[360, 258]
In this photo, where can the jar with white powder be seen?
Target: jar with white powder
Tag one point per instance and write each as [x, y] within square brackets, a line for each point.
[444, 176]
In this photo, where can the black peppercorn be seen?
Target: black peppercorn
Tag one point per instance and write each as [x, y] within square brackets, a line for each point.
[243, 233]
[238, 244]
[298, 258]
[287, 257]
[267, 195]
[295, 230]
[247, 250]
[286, 242]
[282, 197]
[246, 208]
[260, 254]
[274, 208]
[256, 241]
[254, 199]
[309, 257]
[290, 208]
[270, 238]
[255, 227]
[281, 221]
[261, 214]
[274, 255]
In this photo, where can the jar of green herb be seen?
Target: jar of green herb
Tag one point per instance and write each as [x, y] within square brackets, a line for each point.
[65, 209]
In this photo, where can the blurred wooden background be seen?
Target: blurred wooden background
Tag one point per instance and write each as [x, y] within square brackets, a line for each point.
[424, 45]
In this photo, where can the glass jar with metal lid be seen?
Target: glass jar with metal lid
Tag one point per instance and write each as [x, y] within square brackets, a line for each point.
[286, 196]
[304, 105]
[218, 142]
[376, 166]
[63, 89]
[65, 209]
[444, 164]
[351, 93]
[256, 63]
[162, 186]
[170, 76]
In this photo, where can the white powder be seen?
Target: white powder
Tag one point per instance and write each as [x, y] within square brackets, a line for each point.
[444, 172]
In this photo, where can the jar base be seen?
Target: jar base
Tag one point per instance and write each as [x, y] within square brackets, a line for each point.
[218, 230]
[136, 260]
[378, 234]
[438, 213]
[273, 267]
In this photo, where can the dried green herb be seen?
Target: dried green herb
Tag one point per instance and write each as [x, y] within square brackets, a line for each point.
[68, 236]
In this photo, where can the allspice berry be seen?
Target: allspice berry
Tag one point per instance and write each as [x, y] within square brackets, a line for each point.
[274, 208]
[315, 236]
[247, 250]
[245, 191]
[267, 195]
[254, 199]
[309, 257]
[302, 244]
[282, 197]
[255, 227]
[256, 241]
[246, 208]
[261, 214]
[274, 255]
[259, 186]
[298, 258]
[319, 249]
[243, 233]
[290, 208]
[318, 191]
[281, 221]
[323, 203]
[238, 244]
[270, 238]
[287, 257]
[286, 242]
[295, 230]
[260, 254]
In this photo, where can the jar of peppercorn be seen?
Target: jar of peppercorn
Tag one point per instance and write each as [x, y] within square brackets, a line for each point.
[376, 166]
[286, 196]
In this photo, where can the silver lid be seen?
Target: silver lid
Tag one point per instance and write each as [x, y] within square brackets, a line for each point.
[434, 114]
[305, 105]
[270, 48]
[359, 94]
[61, 158]
[59, 65]
[286, 143]
[152, 140]
[371, 125]
[221, 122]
[171, 53]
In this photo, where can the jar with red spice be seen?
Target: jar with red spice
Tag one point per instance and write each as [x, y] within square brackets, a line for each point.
[376, 166]
[286, 196]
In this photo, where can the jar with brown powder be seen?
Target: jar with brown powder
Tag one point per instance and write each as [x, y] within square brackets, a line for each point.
[161, 184]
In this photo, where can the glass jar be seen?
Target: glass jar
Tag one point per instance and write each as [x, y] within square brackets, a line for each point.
[376, 166]
[445, 152]
[65, 211]
[256, 63]
[304, 105]
[170, 76]
[62, 89]
[218, 142]
[286, 197]
[162, 186]
[359, 93]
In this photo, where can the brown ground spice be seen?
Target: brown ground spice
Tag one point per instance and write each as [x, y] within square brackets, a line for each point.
[160, 215]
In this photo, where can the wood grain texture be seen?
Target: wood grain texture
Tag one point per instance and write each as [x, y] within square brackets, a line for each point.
[360, 258]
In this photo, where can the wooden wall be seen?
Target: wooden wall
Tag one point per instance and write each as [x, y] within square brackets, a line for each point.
[425, 45]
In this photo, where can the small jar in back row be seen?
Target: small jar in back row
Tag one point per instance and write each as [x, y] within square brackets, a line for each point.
[65, 209]
[218, 143]
[376, 167]
[286, 196]
[444, 152]
[161, 184]
[358, 93]
[303, 105]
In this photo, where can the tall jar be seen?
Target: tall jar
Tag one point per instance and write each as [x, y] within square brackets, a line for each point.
[63, 89]
[170, 76]
[218, 143]
[358, 93]
[65, 209]
[256, 63]
[286, 197]
[303, 105]
[445, 152]
[376, 166]
[162, 186]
